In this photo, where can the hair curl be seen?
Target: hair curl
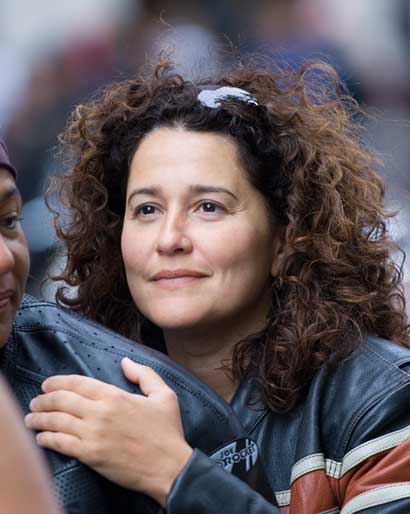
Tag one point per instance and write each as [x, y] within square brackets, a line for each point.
[302, 148]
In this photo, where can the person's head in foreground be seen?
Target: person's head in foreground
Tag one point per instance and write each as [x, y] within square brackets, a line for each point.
[243, 212]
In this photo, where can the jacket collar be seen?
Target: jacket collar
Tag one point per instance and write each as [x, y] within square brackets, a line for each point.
[248, 405]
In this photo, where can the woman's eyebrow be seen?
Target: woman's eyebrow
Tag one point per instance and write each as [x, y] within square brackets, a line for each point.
[8, 193]
[195, 188]
[151, 191]
[200, 189]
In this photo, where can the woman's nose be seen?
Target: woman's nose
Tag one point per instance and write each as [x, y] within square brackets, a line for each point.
[6, 256]
[173, 237]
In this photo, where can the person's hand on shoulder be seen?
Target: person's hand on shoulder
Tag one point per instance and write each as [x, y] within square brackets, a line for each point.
[136, 441]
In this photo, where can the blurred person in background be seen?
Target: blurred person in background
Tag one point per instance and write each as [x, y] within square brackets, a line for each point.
[237, 223]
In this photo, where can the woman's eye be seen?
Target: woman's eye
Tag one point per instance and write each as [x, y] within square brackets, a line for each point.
[11, 222]
[210, 207]
[146, 210]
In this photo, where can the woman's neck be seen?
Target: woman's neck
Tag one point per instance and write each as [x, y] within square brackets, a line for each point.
[204, 356]
[206, 350]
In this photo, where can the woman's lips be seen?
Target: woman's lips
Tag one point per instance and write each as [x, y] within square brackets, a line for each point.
[172, 279]
[173, 283]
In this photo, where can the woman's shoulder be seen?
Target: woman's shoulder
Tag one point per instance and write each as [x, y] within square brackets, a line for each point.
[384, 354]
[373, 371]
[351, 433]
[365, 397]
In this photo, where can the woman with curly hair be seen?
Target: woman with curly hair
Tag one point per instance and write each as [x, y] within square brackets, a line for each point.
[237, 224]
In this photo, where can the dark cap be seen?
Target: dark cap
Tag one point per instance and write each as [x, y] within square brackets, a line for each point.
[4, 159]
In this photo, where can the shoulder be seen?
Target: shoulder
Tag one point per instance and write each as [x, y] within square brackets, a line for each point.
[354, 429]
[366, 396]
[387, 357]
[63, 341]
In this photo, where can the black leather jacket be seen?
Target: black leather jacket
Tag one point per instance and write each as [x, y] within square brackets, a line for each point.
[48, 340]
[346, 448]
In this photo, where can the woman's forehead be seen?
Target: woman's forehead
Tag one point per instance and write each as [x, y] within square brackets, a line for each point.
[197, 157]
[5, 159]
[174, 139]
[8, 187]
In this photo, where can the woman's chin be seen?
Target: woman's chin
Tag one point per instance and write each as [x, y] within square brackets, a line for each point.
[177, 321]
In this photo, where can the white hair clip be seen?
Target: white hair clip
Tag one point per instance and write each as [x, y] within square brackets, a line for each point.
[212, 97]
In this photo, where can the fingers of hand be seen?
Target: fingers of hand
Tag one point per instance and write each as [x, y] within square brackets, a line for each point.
[67, 444]
[85, 386]
[54, 422]
[149, 381]
[64, 401]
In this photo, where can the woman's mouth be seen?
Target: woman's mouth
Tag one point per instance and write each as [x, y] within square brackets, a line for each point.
[172, 279]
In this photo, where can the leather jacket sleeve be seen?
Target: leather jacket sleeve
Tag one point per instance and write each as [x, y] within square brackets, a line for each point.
[203, 487]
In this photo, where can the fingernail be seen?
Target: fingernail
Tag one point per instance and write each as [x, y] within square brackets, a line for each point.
[33, 403]
[27, 419]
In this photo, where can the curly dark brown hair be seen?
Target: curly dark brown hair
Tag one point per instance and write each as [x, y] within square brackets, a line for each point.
[303, 149]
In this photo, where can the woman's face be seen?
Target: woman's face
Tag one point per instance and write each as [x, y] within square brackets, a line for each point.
[14, 257]
[197, 242]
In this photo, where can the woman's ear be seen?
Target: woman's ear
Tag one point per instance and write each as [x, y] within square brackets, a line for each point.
[279, 249]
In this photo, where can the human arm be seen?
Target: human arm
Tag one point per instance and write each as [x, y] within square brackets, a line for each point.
[24, 485]
[362, 462]
[204, 488]
[132, 439]
[374, 475]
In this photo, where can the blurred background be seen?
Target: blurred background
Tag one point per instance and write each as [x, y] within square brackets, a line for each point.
[54, 55]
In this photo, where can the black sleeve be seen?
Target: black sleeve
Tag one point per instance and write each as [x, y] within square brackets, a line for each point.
[203, 487]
